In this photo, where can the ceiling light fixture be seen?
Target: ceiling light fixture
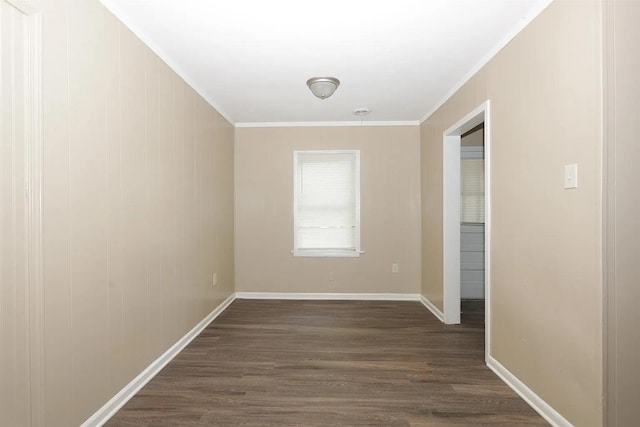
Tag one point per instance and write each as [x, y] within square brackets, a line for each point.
[361, 111]
[323, 87]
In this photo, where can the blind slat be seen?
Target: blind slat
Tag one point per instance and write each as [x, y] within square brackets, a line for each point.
[325, 201]
[472, 190]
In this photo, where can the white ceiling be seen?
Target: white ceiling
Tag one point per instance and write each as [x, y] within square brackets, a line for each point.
[251, 58]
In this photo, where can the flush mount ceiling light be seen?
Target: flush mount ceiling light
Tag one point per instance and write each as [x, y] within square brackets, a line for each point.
[323, 87]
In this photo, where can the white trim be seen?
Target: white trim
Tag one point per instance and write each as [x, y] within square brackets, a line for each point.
[343, 297]
[487, 228]
[328, 296]
[354, 156]
[521, 25]
[469, 121]
[326, 254]
[451, 216]
[112, 406]
[432, 308]
[109, 409]
[451, 228]
[130, 24]
[536, 402]
[325, 124]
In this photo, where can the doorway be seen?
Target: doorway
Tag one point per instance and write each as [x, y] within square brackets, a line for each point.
[452, 216]
[472, 226]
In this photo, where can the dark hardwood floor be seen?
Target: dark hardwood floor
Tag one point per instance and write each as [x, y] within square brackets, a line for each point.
[330, 363]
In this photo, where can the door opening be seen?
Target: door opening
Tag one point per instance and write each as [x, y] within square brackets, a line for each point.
[452, 218]
[472, 226]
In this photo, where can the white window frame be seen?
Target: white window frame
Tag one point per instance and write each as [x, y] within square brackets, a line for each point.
[301, 252]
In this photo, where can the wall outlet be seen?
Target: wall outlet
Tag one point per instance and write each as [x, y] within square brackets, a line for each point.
[394, 268]
[332, 276]
[215, 279]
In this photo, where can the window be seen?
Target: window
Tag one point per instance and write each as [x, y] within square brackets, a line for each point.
[326, 203]
[472, 191]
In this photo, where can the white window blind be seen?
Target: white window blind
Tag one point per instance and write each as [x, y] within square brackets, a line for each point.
[472, 191]
[326, 203]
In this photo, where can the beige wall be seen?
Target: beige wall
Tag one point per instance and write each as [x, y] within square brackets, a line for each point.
[138, 208]
[546, 287]
[14, 295]
[390, 218]
[623, 203]
[138, 211]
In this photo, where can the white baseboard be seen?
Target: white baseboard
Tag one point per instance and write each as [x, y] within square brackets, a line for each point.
[432, 308]
[540, 406]
[327, 296]
[103, 414]
[118, 401]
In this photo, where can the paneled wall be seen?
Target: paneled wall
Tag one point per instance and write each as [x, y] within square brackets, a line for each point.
[390, 211]
[546, 267]
[14, 296]
[622, 205]
[138, 208]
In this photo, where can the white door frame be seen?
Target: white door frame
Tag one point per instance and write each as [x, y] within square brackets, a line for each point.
[451, 215]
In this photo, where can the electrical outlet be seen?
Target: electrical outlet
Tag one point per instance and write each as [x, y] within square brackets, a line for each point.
[394, 268]
[215, 279]
[331, 276]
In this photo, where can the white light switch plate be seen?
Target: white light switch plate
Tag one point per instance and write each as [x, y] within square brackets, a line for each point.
[571, 176]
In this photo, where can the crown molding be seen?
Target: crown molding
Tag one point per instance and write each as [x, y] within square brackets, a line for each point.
[128, 22]
[521, 25]
[325, 124]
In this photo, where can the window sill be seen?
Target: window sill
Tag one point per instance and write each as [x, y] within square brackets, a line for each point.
[326, 254]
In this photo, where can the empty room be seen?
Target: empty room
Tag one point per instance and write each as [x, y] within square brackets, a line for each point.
[284, 213]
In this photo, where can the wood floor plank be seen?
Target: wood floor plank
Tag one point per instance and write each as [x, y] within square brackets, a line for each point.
[330, 363]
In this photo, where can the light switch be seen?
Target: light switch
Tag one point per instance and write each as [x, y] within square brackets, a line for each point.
[571, 176]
